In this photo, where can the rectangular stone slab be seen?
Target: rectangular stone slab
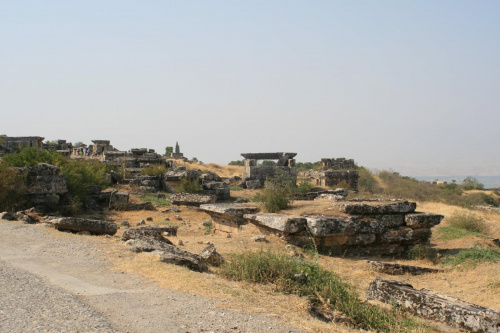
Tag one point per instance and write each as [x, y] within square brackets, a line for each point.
[423, 220]
[397, 207]
[321, 226]
[94, 226]
[289, 224]
[432, 305]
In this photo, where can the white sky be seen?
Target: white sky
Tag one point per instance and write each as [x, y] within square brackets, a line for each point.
[411, 86]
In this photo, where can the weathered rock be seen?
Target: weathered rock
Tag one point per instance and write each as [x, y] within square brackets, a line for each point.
[47, 187]
[190, 199]
[9, 216]
[260, 238]
[253, 184]
[148, 244]
[422, 220]
[141, 206]
[125, 224]
[211, 256]
[285, 223]
[119, 200]
[321, 226]
[396, 235]
[28, 219]
[496, 241]
[150, 231]
[228, 217]
[176, 256]
[397, 269]
[84, 233]
[396, 207]
[94, 226]
[436, 306]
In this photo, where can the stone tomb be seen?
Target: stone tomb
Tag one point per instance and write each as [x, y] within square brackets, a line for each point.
[255, 175]
[359, 228]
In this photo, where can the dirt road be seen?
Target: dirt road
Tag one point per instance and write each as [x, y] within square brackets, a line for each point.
[60, 282]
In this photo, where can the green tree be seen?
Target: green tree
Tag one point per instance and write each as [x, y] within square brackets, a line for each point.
[177, 148]
[471, 183]
[240, 163]
[169, 150]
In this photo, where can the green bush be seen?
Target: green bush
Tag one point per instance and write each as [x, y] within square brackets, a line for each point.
[304, 187]
[472, 257]
[12, 188]
[469, 222]
[240, 163]
[422, 252]
[320, 286]
[471, 183]
[367, 182]
[190, 185]
[158, 202]
[278, 192]
[154, 170]
[235, 188]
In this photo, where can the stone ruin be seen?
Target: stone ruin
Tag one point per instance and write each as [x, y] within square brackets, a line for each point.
[11, 144]
[99, 147]
[356, 228]
[335, 171]
[254, 175]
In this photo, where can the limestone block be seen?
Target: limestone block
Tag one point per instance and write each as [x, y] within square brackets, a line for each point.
[397, 207]
[436, 306]
[289, 224]
[190, 199]
[77, 224]
[397, 269]
[422, 220]
[397, 235]
[321, 226]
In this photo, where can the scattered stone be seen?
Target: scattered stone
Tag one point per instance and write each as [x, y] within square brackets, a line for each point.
[149, 218]
[211, 256]
[436, 306]
[125, 224]
[300, 277]
[97, 227]
[9, 216]
[285, 223]
[166, 219]
[180, 242]
[242, 200]
[149, 231]
[228, 217]
[174, 209]
[422, 220]
[397, 269]
[260, 238]
[141, 222]
[228, 235]
[178, 217]
[496, 241]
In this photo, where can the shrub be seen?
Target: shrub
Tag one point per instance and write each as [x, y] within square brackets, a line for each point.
[304, 187]
[469, 222]
[190, 185]
[240, 163]
[472, 257]
[158, 202]
[278, 192]
[12, 188]
[471, 183]
[422, 252]
[154, 170]
[322, 287]
[235, 188]
[367, 182]
[208, 226]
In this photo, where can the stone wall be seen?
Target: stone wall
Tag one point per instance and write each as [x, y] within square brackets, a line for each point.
[335, 171]
[255, 175]
[46, 187]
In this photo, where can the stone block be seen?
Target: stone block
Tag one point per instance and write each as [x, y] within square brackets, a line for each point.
[190, 199]
[288, 224]
[423, 220]
[376, 208]
[76, 224]
[436, 306]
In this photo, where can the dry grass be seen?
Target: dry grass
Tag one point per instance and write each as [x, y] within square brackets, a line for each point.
[477, 285]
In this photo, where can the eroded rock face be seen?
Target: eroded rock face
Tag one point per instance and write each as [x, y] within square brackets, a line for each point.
[436, 306]
[94, 226]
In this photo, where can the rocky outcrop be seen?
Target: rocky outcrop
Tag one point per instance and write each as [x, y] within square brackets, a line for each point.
[97, 227]
[397, 269]
[436, 306]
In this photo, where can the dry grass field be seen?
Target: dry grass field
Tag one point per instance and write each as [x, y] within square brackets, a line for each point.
[478, 284]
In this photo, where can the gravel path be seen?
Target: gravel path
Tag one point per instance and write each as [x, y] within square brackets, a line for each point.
[59, 282]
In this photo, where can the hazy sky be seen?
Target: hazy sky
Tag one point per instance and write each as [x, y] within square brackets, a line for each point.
[408, 85]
